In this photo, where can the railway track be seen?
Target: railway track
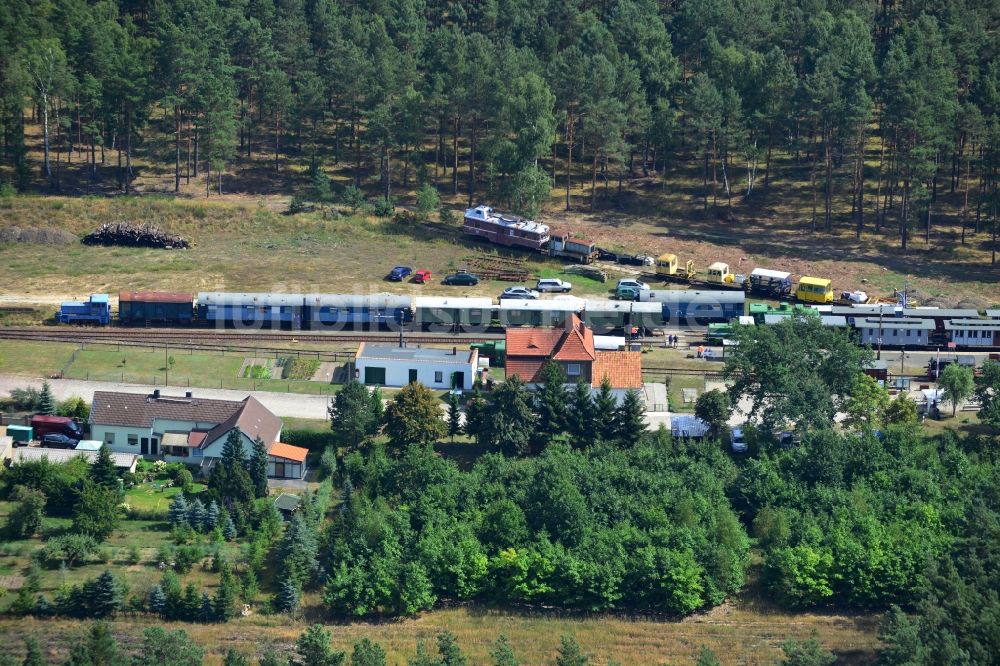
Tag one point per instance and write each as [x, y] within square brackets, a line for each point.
[180, 337]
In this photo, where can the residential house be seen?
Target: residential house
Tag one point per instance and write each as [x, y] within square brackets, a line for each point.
[190, 429]
[573, 348]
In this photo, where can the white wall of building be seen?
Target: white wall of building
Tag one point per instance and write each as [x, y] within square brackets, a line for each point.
[436, 375]
[117, 437]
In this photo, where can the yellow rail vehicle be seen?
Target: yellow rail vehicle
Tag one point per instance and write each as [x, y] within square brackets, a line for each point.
[667, 267]
[814, 290]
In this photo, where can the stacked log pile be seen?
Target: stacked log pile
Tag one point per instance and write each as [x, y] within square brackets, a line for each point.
[591, 272]
[127, 234]
[495, 267]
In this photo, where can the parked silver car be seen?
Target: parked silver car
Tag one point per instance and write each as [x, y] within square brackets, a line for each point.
[521, 293]
[553, 285]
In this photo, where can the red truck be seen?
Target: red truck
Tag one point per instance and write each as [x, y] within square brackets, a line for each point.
[43, 424]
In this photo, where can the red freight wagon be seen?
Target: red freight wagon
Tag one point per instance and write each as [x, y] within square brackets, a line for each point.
[160, 307]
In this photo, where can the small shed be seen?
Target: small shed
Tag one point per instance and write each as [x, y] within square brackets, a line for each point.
[287, 504]
[386, 365]
[285, 461]
[878, 370]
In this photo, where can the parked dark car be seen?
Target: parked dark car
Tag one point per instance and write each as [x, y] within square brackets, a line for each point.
[57, 440]
[462, 278]
[399, 273]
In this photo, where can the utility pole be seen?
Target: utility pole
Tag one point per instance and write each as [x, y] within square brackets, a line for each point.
[166, 367]
[879, 356]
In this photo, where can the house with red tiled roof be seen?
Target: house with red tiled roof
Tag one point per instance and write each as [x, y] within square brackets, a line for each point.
[572, 347]
[190, 429]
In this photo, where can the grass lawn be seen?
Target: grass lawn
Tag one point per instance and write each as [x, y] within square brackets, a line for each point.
[37, 359]
[155, 496]
[206, 370]
[316, 425]
[676, 395]
[109, 365]
[238, 246]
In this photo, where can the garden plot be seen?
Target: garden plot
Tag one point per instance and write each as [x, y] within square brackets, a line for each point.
[260, 368]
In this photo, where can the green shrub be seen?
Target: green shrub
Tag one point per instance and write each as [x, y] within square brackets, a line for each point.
[353, 198]
[328, 462]
[186, 557]
[310, 439]
[165, 555]
[23, 399]
[447, 215]
[383, 207]
[299, 368]
[427, 201]
[257, 372]
[298, 205]
[184, 479]
[7, 190]
[71, 549]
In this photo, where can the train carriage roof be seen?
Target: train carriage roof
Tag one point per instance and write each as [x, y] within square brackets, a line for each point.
[384, 301]
[768, 273]
[252, 299]
[972, 325]
[707, 297]
[541, 305]
[912, 324]
[179, 297]
[453, 303]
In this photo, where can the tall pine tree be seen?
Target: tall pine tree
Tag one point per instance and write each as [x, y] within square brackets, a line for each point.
[103, 471]
[550, 403]
[258, 468]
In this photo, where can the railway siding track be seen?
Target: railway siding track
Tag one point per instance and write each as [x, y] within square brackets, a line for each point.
[179, 337]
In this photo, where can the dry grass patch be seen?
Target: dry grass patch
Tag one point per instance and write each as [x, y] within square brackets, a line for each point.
[737, 636]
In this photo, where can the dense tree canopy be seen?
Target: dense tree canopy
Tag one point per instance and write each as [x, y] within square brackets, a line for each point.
[796, 372]
[499, 102]
[641, 527]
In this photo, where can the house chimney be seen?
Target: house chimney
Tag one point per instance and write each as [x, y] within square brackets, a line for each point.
[188, 394]
[156, 394]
